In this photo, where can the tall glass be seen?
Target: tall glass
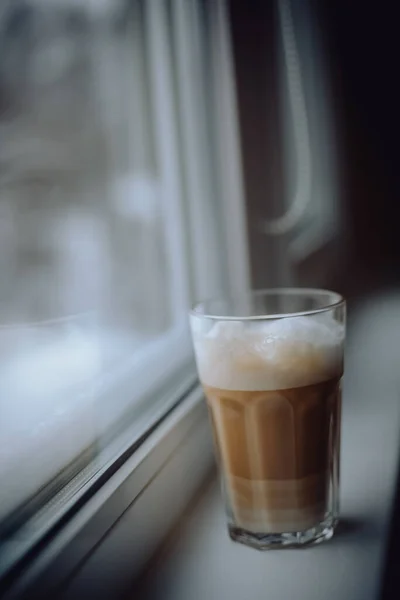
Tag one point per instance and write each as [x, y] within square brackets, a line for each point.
[271, 365]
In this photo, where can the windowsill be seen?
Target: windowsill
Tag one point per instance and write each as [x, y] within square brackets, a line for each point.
[200, 561]
[123, 517]
[163, 372]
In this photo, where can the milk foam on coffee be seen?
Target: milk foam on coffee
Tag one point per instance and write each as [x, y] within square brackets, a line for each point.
[279, 354]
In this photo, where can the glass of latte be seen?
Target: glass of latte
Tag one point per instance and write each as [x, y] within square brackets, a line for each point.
[271, 365]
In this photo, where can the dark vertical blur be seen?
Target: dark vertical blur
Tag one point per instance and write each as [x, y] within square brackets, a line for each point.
[364, 50]
[363, 42]
[361, 45]
[255, 37]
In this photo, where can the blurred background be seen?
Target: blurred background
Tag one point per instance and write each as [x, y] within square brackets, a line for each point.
[336, 81]
[156, 153]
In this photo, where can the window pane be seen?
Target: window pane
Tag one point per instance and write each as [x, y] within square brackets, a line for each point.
[92, 295]
[80, 203]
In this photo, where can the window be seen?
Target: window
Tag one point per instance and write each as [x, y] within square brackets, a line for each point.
[119, 167]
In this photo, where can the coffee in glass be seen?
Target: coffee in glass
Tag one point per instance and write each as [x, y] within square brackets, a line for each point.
[272, 378]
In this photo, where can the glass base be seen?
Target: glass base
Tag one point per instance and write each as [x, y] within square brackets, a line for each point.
[269, 541]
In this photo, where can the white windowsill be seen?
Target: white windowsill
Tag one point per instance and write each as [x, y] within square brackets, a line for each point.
[125, 515]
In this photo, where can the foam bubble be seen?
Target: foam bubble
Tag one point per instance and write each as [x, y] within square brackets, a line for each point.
[279, 354]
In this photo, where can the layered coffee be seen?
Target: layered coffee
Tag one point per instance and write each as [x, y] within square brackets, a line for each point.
[273, 390]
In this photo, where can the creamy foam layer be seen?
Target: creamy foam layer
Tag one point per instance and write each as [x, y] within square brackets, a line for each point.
[280, 354]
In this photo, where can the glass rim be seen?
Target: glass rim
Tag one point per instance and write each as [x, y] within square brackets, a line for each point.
[337, 301]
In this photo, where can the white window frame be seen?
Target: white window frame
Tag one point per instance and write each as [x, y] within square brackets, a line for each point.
[199, 268]
[166, 128]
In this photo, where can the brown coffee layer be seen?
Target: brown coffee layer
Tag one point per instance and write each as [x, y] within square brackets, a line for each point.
[276, 448]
